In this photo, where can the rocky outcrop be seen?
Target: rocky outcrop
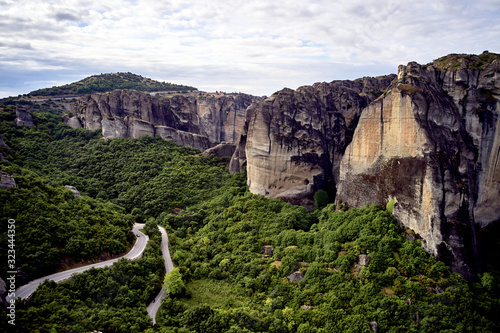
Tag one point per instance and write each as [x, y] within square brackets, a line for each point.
[363, 259]
[4, 148]
[76, 193]
[296, 276]
[239, 159]
[23, 118]
[2, 143]
[294, 140]
[7, 181]
[198, 122]
[432, 144]
[429, 139]
[223, 149]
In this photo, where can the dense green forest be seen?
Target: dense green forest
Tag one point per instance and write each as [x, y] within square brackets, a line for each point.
[109, 82]
[246, 263]
[219, 245]
[111, 299]
[145, 176]
[54, 228]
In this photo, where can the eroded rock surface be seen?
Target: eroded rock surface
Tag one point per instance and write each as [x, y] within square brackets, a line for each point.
[76, 193]
[223, 149]
[428, 138]
[23, 118]
[198, 122]
[2, 143]
[7, 181]
[294, 140]
[432, 144]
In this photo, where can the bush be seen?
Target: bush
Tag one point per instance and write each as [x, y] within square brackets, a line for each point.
[321, 199]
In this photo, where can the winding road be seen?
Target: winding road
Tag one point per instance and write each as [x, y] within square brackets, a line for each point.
[155, 305]
[136, 252]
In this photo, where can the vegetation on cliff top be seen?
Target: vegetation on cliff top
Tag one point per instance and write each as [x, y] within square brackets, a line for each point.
[454, 61]
[109, 82]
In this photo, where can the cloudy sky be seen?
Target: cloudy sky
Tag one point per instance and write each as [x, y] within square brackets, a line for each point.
[256, 47]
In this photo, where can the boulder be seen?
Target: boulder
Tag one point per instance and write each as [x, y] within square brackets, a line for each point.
[75, 192]
[268, 250]
[363, 259]
[7, 181]
[223, 149]
[295, 276]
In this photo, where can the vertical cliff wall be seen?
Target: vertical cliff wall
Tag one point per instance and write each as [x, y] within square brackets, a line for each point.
[432, 145]
[428, 139]
[197, 122]
[294, 140]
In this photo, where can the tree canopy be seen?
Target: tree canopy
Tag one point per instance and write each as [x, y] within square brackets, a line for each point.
[243, 262]
[109, 82]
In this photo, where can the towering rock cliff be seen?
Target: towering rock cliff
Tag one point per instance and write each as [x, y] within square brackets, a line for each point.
[429, 139]
[294, 140]
[197, 122]
[432, 144]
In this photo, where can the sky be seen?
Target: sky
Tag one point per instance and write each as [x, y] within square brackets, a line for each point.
[256, 47]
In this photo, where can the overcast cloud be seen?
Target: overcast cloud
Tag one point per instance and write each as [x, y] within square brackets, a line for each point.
[256, 47]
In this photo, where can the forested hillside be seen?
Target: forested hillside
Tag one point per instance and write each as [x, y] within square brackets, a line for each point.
[54, 229]
[145, 176]
[317, 277]
[245, 263]
[109, 82]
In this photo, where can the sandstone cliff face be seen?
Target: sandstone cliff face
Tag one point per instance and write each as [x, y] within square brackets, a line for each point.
[430, 141]
[189, 121]
[294, 140]
[23, 118]
[223, 149]
[432, 145]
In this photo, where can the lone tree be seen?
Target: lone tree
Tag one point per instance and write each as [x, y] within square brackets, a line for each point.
[321, 199]
[173, 283]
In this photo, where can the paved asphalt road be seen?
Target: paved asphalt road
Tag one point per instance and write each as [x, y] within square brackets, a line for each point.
[155, 305]
[136, 251]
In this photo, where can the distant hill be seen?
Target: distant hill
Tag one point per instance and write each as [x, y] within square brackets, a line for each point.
[109, 82]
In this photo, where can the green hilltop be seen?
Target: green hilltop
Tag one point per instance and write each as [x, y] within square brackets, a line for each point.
[454, 61]
[109, 82]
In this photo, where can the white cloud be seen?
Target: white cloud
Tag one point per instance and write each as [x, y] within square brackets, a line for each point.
[259, 46]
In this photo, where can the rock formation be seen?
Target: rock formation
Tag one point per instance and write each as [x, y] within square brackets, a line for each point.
[2, 143]
[429, 139]
[432, 144]
[23, 118]
[76, 193]
[7, 181]
[3, 293]
[196, 122]
[223, 149]
[294, 140]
